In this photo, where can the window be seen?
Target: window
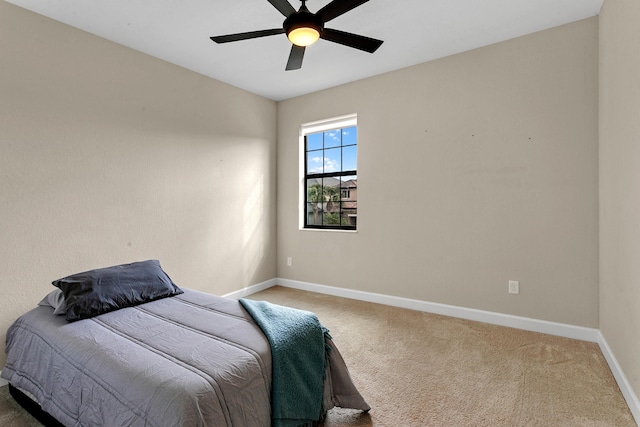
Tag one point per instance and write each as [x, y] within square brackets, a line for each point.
[330, 178]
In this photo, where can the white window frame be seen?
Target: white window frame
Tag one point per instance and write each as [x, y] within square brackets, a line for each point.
[346, 121]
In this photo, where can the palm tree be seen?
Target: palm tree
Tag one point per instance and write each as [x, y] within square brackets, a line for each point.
[314, 196]
[317, 194]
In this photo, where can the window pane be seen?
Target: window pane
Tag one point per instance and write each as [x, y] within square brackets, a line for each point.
[332, 218]
[314, 202]
[350, 183]
[349, 214]
[349, 159]
[333, 160]
[314, 141]
[331, 196]
[349, 201]
[332, 138]
[331, 185]
[315, 162]
[314, 214]
[314, 189]
[350, 136]
[350, 220]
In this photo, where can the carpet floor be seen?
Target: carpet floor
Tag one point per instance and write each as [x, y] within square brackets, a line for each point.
[421, 369]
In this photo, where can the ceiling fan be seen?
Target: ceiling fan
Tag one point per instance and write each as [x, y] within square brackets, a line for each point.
[303, 28]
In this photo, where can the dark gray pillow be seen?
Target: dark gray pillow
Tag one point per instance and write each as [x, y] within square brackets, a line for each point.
[94, 292]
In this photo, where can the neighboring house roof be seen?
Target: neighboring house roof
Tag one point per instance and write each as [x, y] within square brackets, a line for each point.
[352, 183]
[333, 182]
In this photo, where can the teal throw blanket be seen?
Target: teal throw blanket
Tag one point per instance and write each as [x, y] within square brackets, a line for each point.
[298, 358]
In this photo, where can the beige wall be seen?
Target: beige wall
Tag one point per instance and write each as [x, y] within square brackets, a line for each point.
[620, 183]
[111, 156]
[473, 170]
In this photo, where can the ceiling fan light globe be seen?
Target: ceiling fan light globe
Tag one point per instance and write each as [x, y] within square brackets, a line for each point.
[303, 36]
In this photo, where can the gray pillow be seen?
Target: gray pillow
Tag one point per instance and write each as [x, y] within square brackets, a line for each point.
[99, 291]
[55, 299]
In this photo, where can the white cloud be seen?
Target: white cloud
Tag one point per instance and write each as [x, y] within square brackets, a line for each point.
[316, 164]
[330, 165]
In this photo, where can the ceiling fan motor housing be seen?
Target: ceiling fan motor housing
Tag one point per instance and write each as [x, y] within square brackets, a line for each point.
[303, 19]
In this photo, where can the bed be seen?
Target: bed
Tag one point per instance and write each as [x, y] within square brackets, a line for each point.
[185, 358]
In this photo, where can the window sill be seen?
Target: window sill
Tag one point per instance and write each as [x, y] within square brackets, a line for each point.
[335, 230]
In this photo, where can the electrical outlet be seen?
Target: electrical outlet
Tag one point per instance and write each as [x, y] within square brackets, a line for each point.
[289, 261]
[514, 287]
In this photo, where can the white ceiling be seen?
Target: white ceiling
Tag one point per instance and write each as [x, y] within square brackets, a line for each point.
[414, 31]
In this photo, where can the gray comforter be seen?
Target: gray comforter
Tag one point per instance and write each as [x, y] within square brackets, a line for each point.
[190, 360]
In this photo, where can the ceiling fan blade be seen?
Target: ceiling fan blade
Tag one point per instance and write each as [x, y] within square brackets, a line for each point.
[245, 36]
[283, 6]
[352, 40]
[295, 58]
[337, 8]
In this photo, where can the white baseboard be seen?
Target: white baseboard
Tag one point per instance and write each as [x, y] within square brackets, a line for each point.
[621, 379]
[525, 323]
[543, 326]
[251, 289]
